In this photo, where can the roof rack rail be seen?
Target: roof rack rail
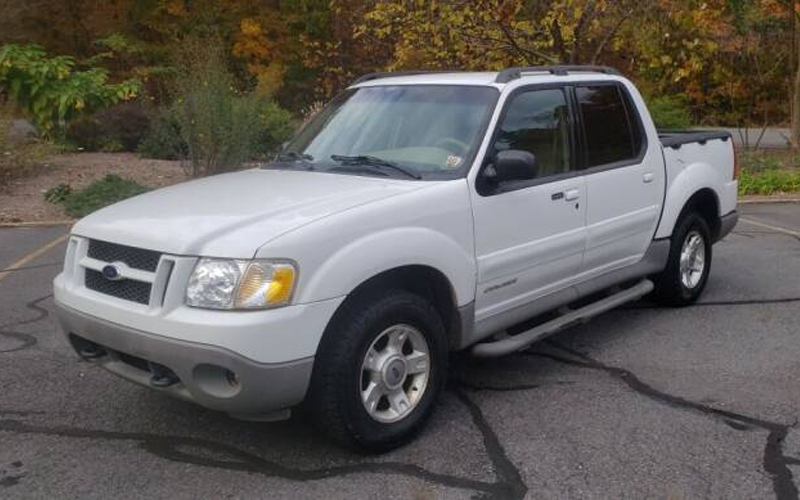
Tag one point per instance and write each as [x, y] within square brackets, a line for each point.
[510, 74]
[388, 74]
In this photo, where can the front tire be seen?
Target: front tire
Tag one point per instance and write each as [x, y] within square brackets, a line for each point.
[688, 265]
[380, 368]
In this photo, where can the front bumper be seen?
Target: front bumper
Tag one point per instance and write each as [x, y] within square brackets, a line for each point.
[727, 223]
[204, 371]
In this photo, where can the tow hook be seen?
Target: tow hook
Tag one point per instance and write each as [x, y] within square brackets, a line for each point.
[92, 351]
[162, 376]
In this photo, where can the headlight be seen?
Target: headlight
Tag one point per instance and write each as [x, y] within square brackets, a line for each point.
[240, 284]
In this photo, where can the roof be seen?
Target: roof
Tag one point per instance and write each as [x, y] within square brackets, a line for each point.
[487, 78]
[454, 78]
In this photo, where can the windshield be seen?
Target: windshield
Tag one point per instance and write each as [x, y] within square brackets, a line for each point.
[426, 130]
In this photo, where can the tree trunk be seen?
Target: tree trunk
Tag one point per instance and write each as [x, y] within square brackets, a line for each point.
[796, 111]
[796, 85]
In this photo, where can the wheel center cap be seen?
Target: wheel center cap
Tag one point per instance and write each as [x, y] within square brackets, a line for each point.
[394, 373]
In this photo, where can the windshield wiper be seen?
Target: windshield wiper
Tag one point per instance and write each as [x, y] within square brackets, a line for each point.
[374, 161]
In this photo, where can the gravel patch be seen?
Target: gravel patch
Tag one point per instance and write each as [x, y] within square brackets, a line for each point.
[23, 199]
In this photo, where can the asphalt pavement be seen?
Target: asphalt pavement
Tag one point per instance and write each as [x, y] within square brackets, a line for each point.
[700, 402]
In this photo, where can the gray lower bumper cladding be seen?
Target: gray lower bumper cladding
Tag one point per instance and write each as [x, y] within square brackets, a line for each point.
[210, 376]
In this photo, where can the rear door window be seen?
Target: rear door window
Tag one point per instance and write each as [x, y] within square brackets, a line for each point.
[612, 131]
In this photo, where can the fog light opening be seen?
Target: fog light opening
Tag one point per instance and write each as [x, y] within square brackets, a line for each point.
[232, 378]
[216, 381]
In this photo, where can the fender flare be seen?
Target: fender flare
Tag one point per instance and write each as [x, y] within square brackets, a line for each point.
[691, 180]
[383, 251]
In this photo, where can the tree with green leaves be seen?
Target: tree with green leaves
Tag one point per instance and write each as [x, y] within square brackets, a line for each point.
[52, 90]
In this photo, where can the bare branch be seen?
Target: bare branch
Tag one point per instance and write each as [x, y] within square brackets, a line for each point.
[610, 34]
[579, 35]
[513, 42]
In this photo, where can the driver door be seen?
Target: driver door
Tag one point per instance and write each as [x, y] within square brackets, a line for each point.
[530, 235]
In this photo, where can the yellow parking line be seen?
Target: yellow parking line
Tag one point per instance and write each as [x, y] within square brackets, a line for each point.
[33, 255]
[770, 226]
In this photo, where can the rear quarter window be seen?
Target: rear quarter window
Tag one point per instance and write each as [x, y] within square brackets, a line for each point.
[612, 131]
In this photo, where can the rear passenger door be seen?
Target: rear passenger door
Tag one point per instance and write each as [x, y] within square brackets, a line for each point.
[529, 235]
[624, 178]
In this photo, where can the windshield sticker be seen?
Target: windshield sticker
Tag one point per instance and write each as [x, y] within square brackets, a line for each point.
[453, 161]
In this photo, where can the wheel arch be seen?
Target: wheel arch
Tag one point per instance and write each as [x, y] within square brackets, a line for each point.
[705, 203]
[701, 198]
[423, 280]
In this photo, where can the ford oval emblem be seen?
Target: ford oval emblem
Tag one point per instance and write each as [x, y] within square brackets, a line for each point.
[112, 273]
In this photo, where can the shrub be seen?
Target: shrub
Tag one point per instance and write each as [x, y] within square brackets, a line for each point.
[670, 113]
[758, 161]
[58, 193]
[275, 127]
[51, 91]
[771, 181]
[163, 141]
[219, 125]
[100, 193]
[118, 128]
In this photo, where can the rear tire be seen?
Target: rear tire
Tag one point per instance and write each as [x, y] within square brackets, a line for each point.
[688, 265]
[379, 370]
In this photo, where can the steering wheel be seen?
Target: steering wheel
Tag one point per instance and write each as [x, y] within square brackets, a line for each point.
[452, 145]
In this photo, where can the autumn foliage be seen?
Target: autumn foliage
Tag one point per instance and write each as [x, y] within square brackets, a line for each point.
[732, 62]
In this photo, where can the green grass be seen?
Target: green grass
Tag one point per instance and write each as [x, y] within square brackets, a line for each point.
[768, 182]
[769, 172]
[100, 193]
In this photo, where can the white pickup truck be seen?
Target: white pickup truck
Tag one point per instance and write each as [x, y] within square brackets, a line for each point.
[416, 215]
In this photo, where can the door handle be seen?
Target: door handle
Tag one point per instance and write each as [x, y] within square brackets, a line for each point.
[647, 178]
[572, 195]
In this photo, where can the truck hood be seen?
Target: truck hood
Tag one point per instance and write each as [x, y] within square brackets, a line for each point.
[232, 215]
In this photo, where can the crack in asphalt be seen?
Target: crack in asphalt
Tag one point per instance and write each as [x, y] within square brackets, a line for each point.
[478, 387]
[169, 448]
[508, 485]
[774, 461]
[746, 302]
[645, 306]
[21, 413]
[25, 340]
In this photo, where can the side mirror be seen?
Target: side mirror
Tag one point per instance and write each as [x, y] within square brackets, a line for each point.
[515, 165]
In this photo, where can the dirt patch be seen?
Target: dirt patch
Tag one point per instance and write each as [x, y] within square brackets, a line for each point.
[23, 199]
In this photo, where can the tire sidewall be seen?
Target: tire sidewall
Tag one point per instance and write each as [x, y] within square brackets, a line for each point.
[394, 309]
[691, 223]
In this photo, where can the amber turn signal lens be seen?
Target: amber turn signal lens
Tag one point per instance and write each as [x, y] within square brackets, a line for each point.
[265, 285]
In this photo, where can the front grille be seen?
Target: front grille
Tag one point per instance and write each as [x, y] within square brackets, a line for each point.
[135, 291]
[136, 258]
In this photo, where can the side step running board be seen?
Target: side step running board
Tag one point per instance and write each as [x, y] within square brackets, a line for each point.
[511, 344]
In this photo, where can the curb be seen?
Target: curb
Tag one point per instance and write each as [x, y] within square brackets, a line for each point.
[753, 200]
[44, 223]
